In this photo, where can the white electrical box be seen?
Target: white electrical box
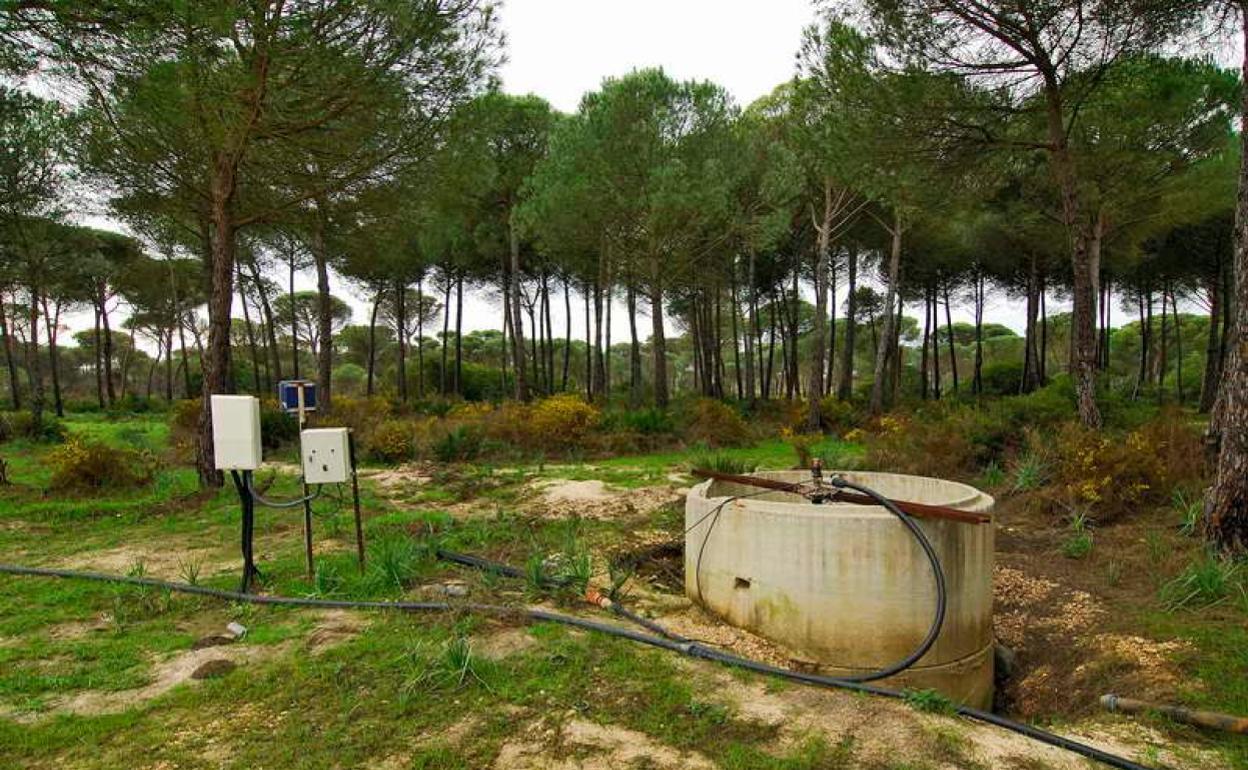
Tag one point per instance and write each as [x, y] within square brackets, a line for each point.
[236, 432]
[326, 455]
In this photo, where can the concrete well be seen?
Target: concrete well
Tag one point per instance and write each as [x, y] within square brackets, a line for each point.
[846, 585]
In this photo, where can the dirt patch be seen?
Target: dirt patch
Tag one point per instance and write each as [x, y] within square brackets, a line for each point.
[883, 732]
[335, 627]
[593, 499]
[503, 643]
[1066, 660]
[413, 474]
[210, 742]
[165, 675]
[583, 745]
[158, 560]
[695, 623]
[78, 629]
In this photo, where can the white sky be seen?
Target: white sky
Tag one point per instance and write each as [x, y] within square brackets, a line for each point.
[559, 49]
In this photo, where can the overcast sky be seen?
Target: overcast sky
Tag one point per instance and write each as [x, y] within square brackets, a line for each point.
[559, 49]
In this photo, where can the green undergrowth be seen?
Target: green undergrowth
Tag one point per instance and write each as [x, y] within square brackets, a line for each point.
[631, 471]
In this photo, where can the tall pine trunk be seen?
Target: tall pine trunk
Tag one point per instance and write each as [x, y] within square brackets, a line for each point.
[819, 342]
[953, 348]
[567, 333]
[372, 343]
[893, 276]
[658, 340]
[751, 333]
[634, 349]
[1226, 511]
[34, 362]
[270, 324]
[107, 349]
[15, 390]
[845, 388]
[324, 316]
[517, 326]
[459, 334]
[216, 361]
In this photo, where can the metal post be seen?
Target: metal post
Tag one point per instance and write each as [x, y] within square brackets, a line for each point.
[355, 500]
[307, 502]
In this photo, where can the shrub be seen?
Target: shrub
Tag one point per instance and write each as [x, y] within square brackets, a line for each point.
[563, 419]
[940, 447]
[361, 414]
[651, 421]
[714, 423]
[391, 441]
[839, 416]
[186, 415]
[511, 423]
[276, 426]
[803, 445]
[1002, 379]
[459, 444]
[1113, 475]
[21, 425]
[89, 465]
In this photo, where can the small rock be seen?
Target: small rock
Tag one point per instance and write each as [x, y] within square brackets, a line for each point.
[237, 629]
[447, 589]
[214, 669]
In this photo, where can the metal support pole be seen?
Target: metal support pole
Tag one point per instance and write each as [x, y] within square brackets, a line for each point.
[307, 502]
[355, 500]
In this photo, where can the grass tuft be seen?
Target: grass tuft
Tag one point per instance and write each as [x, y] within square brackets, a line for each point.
[1207, 582]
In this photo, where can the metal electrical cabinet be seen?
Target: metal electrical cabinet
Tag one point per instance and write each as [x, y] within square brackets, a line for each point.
[326, 455]
[236, 432]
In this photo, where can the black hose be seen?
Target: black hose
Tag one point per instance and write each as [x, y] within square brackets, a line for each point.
[938, 574]
[691, 649]
[295, 503]
[496, 567]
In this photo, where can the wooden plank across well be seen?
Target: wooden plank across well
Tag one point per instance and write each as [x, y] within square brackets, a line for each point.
[918, 510]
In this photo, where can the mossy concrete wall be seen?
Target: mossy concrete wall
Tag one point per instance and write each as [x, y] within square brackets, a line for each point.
[846, 585]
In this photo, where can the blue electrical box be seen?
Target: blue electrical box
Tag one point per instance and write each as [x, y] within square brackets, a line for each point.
[288, 395]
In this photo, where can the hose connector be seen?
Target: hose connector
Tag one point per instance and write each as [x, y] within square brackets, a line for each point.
[598, 598]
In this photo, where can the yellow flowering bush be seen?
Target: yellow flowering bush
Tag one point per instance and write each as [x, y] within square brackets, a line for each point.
[563, 419]
[1113, 475]
[390, 441]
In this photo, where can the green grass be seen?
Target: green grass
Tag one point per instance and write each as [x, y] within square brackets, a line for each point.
[630, 471]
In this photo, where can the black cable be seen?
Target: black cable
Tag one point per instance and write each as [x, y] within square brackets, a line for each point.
[938, 573]
[496, 567]
[284, 503]
[685, 648]
[242, 483]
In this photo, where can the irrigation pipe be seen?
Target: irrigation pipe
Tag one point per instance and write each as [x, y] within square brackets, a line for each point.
[692, 649]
